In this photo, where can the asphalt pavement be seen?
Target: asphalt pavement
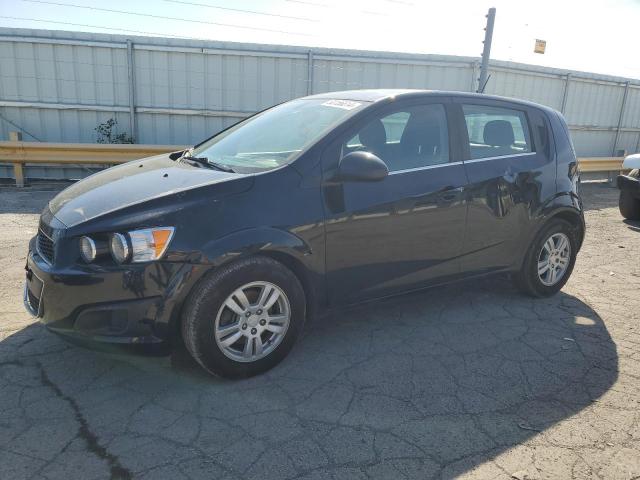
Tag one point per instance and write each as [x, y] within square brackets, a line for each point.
[472, 380]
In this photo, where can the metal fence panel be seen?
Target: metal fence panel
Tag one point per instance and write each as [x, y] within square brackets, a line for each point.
[73, 74]
[160, 129]
[628, 141]
[58, 125]
[334, 75]
[593, 104]
[216, 82]
[632, 109]
[543, 89]
[592, 143]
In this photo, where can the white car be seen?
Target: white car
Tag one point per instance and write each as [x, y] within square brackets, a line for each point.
[629, 186]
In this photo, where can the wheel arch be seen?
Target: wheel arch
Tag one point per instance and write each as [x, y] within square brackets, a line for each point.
[570, 214]
[303, 275]
[566, 206]
[281, 246]
[574, 218]
[253, 241]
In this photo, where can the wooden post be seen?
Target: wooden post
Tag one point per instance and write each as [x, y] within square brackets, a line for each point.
[18, 172]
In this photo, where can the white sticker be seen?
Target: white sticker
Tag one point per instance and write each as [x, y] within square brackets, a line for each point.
[344, 104]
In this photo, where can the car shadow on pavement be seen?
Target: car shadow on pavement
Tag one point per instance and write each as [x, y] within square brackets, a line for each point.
[430, 384]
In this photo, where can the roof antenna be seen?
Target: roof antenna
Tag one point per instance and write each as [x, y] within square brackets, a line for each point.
[485, 84]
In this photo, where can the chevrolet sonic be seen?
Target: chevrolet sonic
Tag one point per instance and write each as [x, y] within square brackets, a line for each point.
[313, 204]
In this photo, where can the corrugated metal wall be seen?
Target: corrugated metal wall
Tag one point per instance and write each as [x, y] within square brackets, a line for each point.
[58, 86]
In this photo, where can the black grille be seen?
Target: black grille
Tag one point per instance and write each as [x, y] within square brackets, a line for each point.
[45, 247]
[43, 226]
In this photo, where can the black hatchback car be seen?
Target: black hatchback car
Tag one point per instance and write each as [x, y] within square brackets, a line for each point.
[323, 201]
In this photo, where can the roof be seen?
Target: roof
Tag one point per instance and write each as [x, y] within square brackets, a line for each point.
[376, 95]
[369, 95]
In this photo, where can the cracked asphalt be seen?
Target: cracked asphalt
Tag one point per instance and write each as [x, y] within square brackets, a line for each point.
[471, 380]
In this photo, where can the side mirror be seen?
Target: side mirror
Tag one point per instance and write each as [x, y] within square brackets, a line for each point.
[361, 167]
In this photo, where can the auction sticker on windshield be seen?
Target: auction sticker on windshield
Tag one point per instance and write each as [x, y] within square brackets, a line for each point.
[344, 104]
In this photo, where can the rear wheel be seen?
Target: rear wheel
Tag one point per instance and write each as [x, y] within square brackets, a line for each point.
[549, 261]
[244, 318]
[629, 205]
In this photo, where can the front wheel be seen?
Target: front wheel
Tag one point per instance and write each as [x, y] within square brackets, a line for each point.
[549, 261]
[244, 318]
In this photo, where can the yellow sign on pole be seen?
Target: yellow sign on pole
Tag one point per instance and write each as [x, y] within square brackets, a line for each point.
[540, 46]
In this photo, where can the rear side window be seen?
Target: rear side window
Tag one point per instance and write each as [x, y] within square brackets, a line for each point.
[496, 132]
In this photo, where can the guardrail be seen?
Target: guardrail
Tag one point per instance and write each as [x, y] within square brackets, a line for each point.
[600, 164]
[21, 153]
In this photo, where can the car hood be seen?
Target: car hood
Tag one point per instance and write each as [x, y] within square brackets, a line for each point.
[129, 184]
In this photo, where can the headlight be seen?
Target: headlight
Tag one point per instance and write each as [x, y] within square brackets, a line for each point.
[119, 246]
[88, 249]
[92, 248]
[141, 245]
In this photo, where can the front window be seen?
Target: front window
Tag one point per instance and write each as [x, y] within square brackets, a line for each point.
[413, 137]
[277, 136]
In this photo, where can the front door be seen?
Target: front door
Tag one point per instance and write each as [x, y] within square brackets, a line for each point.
[406, 230]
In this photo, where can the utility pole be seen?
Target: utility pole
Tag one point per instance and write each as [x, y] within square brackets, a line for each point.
[486, 51]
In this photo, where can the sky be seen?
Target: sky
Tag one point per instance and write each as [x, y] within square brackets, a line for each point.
[594, 36]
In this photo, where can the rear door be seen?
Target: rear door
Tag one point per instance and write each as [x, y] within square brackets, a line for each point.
[509, 163]
[406, 230]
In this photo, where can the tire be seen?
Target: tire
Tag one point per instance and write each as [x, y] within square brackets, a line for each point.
[629, 205]
[528, 280]
[208, 314]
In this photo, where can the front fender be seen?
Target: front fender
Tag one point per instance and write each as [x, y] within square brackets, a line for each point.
[254, 241]
[217, 252]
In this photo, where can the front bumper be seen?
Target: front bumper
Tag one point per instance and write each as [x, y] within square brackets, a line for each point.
[629, 184]
[133, 304]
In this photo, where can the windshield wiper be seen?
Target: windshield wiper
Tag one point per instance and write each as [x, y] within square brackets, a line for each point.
[205, 161]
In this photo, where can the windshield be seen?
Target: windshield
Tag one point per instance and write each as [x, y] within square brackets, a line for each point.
[276, 136]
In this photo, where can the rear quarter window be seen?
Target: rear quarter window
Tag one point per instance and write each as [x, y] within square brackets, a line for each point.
[540, 128]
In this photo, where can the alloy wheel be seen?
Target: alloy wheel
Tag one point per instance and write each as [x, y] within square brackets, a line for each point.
[252, 321]
[553, 259]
